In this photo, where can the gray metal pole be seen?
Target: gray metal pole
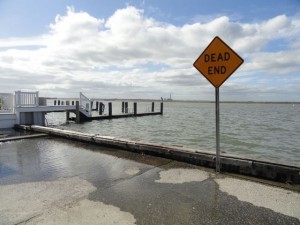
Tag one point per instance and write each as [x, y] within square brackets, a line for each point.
[217, 132]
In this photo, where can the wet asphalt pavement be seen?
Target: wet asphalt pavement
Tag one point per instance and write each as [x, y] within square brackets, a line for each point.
[139, 189]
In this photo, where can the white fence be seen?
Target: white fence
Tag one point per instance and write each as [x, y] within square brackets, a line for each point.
[26, 99]
[6, 103]
[61, 101]
[85, 104]
[10, 103]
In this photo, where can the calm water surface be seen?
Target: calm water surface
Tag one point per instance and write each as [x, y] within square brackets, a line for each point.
[258, 131]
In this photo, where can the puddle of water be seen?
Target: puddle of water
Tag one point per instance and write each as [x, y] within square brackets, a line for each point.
[132, 171]
[179, 176]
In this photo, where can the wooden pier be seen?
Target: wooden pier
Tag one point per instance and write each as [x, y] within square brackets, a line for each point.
[118, 116]
[82, 117]
[30, 109]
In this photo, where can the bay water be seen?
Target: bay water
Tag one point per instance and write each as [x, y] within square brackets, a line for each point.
[258, 131]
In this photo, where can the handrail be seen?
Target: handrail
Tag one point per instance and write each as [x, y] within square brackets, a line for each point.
[85, 104]
[31, 99]
[6, 103]
[26, 99]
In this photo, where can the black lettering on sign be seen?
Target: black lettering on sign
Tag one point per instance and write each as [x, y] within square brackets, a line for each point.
[213, 57]
[206, 58]
[223, 69]
[210, 70]
[226, 56]
[215, 70]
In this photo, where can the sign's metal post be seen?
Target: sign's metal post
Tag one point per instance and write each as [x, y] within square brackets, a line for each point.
[217, 132]
[216, 63]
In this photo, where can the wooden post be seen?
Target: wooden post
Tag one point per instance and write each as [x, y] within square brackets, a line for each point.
[161, 108]
[110, 109]
[134, 108]
[77, 112]
[97, 105]
[126, 107]
[123, 106]
[152, 108]
[100, 108]
[67, 116]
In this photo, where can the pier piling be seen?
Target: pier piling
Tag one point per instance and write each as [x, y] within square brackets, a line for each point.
[110, 110]
[161, 108]
[101, 105]
[67, 116]
[135, 108]
[126, 107]
[123, 106]
[152, 108]
[77, 112]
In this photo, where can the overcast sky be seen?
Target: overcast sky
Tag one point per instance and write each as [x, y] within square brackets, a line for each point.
[146, 49]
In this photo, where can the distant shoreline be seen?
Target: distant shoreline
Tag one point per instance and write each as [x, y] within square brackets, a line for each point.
[200, 101]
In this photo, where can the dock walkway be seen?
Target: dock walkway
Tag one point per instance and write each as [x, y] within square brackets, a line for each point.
[29, 109]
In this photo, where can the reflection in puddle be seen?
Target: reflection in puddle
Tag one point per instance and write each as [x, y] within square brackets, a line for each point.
[179, 176]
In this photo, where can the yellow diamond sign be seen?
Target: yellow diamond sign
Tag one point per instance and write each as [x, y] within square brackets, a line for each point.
[217, 62]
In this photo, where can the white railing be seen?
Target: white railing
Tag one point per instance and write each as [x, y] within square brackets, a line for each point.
[61, 101]
[6, 103]
[85, 104]
[26, 99]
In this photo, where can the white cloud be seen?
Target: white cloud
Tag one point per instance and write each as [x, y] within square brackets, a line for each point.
[131, 54]
[283, 62]
[19, 42]
[276, 26]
